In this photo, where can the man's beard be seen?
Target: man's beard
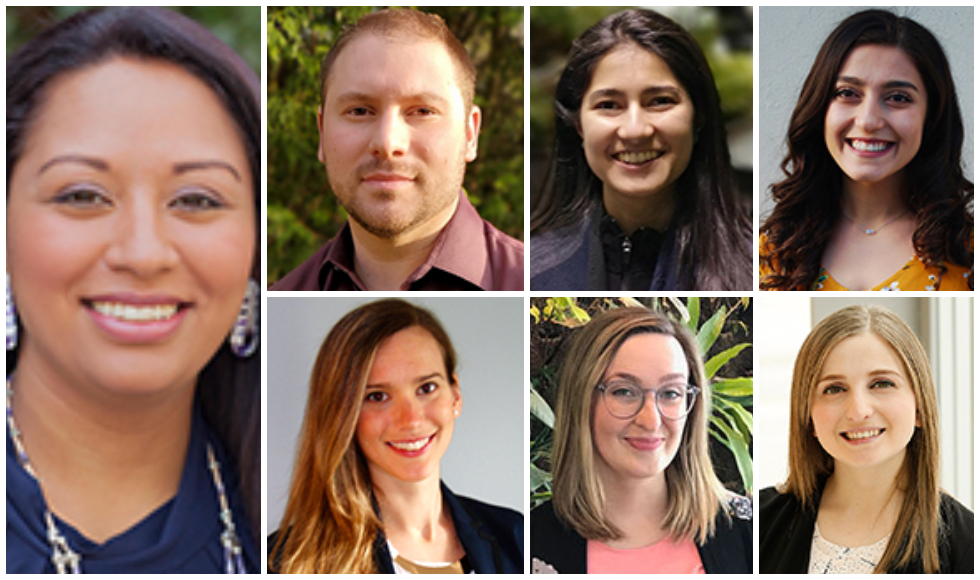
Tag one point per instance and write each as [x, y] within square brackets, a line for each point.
[427, 197]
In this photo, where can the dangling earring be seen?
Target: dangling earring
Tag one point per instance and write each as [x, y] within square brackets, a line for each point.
[244, 336]
[11, 318]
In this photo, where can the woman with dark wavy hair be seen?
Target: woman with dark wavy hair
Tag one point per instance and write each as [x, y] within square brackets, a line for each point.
[874, 196]
[641, 193]
[133, 379]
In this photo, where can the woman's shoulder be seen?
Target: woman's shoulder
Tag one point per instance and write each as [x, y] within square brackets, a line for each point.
[490, 513]
[957, 541]
[555, 546]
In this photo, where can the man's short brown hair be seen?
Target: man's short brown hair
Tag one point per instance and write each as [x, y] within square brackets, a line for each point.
[406, 23]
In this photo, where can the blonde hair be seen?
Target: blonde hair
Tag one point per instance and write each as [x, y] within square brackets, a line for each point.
[694, 491]
[916, 533]
[330, 524]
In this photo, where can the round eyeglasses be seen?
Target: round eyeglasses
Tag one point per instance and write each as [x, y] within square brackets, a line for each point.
[624, 399]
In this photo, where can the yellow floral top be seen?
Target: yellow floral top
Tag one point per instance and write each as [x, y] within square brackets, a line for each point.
[914, 275]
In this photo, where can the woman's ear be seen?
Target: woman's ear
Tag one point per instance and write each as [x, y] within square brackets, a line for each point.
[457, 396]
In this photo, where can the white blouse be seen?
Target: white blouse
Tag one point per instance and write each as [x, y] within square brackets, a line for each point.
[827, 558]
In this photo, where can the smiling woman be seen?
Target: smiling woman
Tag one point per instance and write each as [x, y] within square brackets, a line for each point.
[634, 490]
[132, 209]
[874, 195]
[641, 193]
[366, 493]
[863, 491]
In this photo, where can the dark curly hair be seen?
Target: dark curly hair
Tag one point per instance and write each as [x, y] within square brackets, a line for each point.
[808, 199]
[713, 230]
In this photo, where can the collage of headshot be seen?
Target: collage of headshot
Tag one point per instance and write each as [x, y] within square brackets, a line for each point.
[269, 309]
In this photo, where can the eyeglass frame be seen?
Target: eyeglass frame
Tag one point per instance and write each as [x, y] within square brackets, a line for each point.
[692, 390]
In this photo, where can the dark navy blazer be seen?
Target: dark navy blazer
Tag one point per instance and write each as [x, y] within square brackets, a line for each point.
[491, 536]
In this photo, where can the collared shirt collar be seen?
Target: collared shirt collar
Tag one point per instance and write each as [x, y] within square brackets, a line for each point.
[459, 251]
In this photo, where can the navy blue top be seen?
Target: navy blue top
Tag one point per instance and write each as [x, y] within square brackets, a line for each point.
[182, 536]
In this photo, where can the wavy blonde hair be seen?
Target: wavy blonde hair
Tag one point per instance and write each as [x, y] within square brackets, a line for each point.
[916, 533]
[694, 491]
[330, 524]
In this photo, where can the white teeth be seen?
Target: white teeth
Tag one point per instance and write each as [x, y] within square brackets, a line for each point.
[130, 312]
[869, 146]
[636, 158]
[855, 435]
[410, 445]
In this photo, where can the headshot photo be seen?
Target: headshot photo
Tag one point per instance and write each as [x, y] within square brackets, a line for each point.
[865, 457]
[866, 151]
[396, 148]
[641, 435]
[133, 301]
[641, 149]
[396, 436]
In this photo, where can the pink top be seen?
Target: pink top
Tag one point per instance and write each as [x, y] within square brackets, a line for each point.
[664, 557]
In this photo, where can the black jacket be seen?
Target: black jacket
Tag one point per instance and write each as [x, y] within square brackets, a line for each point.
[729, 551]
[492, 537]
[786, 533]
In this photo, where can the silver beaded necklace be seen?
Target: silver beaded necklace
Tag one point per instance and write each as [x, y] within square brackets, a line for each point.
[67, 561]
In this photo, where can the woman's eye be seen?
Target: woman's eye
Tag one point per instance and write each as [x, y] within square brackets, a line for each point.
[671, 394]
[376, 397]
[606, 105]
[197, 202]
[428, 388]
[882, 384]
[663, 101]
[900, 98]
[845, 93]
[625, 393]
[82, 198]
[833, 390]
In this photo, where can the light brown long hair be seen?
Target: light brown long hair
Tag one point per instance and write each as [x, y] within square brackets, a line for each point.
[694, 492]
[916, 533]
[330, 523]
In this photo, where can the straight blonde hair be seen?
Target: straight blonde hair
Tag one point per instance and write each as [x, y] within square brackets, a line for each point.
[330, 524]
[916, 534]
[694, 491]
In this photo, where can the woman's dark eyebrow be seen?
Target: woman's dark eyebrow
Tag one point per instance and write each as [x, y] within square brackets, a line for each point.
[889, 85]
[93, 162]
[199, 165]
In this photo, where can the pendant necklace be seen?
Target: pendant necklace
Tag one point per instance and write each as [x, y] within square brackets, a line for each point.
[67, 561]
[870, 231]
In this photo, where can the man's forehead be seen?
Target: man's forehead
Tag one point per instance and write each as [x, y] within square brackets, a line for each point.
[384, 65]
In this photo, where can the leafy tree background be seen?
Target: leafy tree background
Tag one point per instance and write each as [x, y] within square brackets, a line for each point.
[239, 26]
[724, 33]
[302, 211]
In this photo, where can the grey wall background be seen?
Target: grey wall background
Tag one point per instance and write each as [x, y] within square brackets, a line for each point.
[789, 39]
[486, 459]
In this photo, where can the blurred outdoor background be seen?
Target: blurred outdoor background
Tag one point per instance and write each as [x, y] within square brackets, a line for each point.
[303, 212]
[725, 35]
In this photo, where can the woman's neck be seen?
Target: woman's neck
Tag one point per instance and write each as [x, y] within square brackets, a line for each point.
[860, 506]
[103, 463]
[873, 204]
[415, 518]
[636, 507]
[633, 213]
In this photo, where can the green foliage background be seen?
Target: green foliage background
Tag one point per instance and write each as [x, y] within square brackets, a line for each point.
[239, 26]
[302, 212]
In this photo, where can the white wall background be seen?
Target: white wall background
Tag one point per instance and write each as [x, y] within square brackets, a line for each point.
[945, 327]
[789, 39]
[486, 459]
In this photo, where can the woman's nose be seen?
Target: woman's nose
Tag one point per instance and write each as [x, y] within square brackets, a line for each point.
[636, 124]
[649, 416]
[869, 116]
[859, 406]
[141, 242]
[408, 411]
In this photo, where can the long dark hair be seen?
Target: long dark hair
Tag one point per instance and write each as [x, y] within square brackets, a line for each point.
[228, 387]
[713, 231]
[808, 199]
